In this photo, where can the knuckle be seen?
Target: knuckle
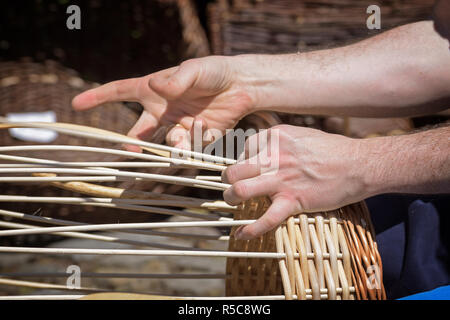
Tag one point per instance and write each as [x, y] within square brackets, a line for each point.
[277, 127]
[280, 127]
[252, 232]
[250, 140]
[227, 196]
[240, 190]
[189, 63]
[303, 202]
[119, 87]
[283, 135]
[288, 161]
[228, 175]
[269, 222]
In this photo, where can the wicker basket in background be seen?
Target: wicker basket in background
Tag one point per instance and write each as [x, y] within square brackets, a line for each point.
[273, 26]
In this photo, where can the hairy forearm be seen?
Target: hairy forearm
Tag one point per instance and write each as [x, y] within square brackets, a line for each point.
[414, 163]
[402, 72]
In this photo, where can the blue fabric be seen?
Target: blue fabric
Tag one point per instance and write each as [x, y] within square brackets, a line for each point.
[442, 293]
[413, 239]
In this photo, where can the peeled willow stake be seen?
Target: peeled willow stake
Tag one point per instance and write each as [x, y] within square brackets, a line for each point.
[149, 157]
[149, 209]
[114, 192]
[142, 252]
[193, 276]
[146, 176]
[41, 285]
[103, 238]
[125, 226]
[60, 222]
[149, 202]
[105, 135]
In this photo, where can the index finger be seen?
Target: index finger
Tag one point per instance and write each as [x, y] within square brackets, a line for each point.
[120, 90]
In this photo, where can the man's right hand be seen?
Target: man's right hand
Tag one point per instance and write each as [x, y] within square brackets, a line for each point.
[204, 91]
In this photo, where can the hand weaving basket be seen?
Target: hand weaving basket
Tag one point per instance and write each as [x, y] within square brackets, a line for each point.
[324, 255]
[27, 86]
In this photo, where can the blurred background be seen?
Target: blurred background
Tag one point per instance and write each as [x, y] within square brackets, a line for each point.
[43, 65]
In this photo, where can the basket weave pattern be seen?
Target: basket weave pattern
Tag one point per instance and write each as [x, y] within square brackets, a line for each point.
[329, 255]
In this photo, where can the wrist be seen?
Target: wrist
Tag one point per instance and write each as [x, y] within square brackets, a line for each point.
[265, 79]
[379, 165]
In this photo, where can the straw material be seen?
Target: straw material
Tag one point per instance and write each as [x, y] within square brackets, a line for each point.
[253, 276]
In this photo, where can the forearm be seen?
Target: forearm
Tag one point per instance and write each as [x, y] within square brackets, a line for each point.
[415, 163]
[402, 72]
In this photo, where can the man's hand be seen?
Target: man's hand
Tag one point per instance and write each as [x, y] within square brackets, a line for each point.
[300, 169]
[205, 91]
[402, 72]
[307, 170]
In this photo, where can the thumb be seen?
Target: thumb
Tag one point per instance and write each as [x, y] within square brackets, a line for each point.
[280, 209]
[143, 128]
[174, 84]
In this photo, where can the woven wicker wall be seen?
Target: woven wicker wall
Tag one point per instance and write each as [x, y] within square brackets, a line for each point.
[276, 26]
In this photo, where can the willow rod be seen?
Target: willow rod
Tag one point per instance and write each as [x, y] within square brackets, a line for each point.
[93, 164]
[95, 133]
[44, 163]
[103, 238]
[142, 225]
[43, 297]
[76, 297]
[54, 221]
[63, 179]
[148, 157]
[142, 252]
[122, 226]
[323, 291]
[114, 192]
[192, 276]
[149, 209]
[41, 285]
[146, 176]
[147, 202]
[167, 253]
[145, 276]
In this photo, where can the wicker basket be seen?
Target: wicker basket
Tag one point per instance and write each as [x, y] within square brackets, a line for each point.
[329, 256]
[337, 257]
[33, 87]
[323, 255]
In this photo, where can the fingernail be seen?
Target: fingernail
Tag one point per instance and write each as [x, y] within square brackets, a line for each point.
[223, 177]
[238, 234]
[132, 148]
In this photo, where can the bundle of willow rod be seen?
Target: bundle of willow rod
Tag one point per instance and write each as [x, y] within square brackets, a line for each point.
[326, 255]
